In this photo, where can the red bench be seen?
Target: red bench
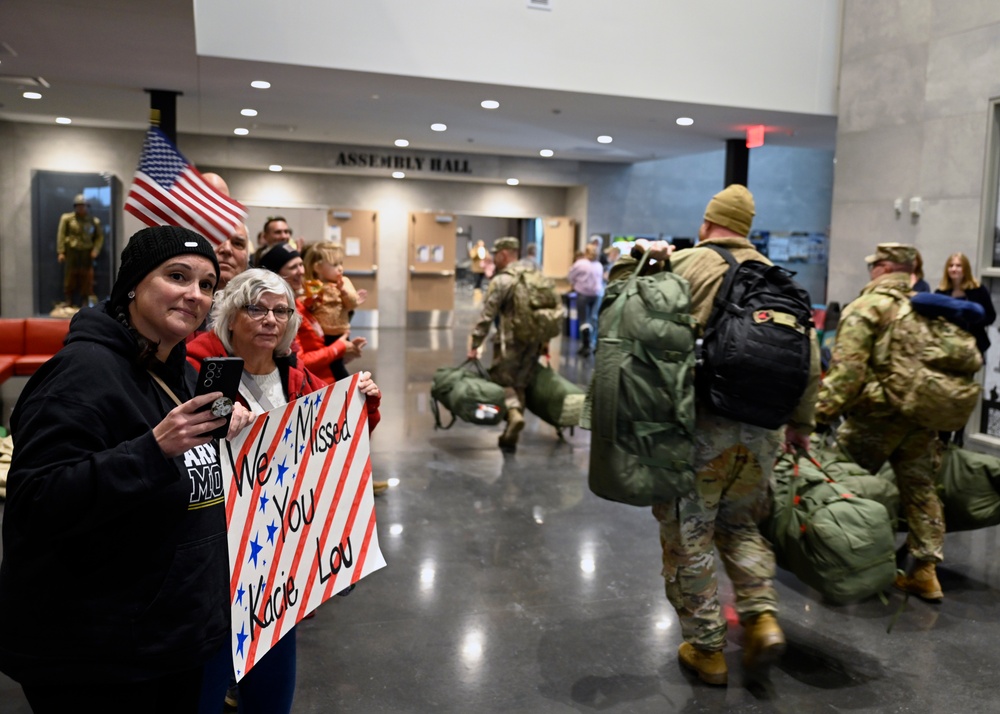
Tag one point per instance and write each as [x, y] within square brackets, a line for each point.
[27, 343]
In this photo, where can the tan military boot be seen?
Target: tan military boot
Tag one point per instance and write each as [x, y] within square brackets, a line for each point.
[515, 424]
[709, 666]
[763, 641]
[922, 582]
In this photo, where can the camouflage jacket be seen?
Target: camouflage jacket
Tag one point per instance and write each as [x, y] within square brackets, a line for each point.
[498, 307]
[850, 384]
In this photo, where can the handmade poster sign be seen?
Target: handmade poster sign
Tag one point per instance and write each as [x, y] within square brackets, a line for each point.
[300, 512]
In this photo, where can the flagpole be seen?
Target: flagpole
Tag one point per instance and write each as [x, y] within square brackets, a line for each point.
[154, 117]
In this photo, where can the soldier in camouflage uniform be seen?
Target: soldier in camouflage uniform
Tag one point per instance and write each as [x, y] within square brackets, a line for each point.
[78, 244]
[513, 362]
[874, 431]
[733, 463]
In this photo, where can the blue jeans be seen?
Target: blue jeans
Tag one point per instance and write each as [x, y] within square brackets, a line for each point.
[586, 310]
[268, 688]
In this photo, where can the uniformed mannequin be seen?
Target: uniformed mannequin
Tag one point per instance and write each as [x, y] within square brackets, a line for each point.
[78, 245]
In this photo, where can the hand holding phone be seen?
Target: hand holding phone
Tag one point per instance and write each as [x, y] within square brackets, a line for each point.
[220, 374]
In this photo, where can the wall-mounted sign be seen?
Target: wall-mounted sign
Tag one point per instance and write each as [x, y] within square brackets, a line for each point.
[398, 162]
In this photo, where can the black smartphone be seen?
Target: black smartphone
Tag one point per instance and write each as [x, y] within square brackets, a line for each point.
[220, 374]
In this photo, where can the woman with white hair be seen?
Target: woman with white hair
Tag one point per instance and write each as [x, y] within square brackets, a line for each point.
[255, 318]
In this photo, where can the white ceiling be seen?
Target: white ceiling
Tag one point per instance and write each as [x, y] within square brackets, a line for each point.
[98, 57]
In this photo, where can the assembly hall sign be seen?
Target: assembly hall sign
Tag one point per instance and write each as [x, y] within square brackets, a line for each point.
[300, 514]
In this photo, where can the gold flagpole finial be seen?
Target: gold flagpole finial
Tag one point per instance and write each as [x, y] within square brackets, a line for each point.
[154, 117]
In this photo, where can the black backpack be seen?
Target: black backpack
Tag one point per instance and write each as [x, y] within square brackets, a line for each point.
[754, 362]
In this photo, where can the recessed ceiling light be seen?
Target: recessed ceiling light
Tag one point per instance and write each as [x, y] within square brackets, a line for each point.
[401, 142]
[31, 95]
[546, 152]
[248, 112]
[439, 127]
[274, 167]
[489, 104]
[685, 121]
[604, 139]
[398, 174]
[512, 182]
[63, 120]
[260, 84]
[241, 131]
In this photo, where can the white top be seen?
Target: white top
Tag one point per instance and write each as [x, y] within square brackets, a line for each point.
[271, 390]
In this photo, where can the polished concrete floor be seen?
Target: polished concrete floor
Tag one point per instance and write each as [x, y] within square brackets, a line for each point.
[511, 588]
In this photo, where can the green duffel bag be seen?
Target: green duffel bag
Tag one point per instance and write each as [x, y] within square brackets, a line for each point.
[832, 540]
[553, 398]
[640, 405]
[967, 485]
[841, 468]
[468, 395]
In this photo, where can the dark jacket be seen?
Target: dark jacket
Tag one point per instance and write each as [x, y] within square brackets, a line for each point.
[980, 295]
[115, 556]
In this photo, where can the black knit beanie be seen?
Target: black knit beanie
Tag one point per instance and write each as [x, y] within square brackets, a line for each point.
[275, 258]
[150, 247]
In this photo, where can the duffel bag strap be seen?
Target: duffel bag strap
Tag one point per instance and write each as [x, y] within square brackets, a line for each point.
[479, 367]
[437, 417]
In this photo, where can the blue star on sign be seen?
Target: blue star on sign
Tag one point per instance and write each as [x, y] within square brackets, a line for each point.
[255, 548]
[263, 501]
[281, 471]
[288, 433]
[302, 448]
[271, 530]
[318, 400]
[240, 639]
[239, 594]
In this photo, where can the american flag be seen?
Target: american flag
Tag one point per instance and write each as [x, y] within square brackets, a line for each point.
[168, 190]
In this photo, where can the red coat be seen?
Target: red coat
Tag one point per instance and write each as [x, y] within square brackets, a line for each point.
[297, 381]
[311, 348]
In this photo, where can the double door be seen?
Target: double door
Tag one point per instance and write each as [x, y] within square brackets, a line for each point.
[430, 294]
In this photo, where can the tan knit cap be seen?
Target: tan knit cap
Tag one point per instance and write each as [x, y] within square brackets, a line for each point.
[732, 208]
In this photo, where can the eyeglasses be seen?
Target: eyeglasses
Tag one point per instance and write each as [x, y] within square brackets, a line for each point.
[259, 312]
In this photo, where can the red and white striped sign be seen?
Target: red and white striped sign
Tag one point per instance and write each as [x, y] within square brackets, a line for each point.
[300, 512]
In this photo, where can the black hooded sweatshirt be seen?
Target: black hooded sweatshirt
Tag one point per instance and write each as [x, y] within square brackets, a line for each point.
[114, 556]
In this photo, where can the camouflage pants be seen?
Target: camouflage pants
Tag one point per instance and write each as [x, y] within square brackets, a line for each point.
[734, 463]
[512, 368]
[912, 452]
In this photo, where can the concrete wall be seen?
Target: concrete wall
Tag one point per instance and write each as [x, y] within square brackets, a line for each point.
[792, 189]
[916, 80]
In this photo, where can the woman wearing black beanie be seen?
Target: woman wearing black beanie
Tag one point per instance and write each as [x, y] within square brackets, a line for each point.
[114, 576]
